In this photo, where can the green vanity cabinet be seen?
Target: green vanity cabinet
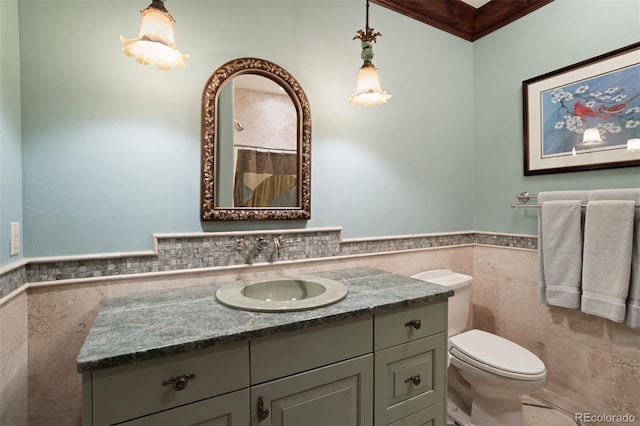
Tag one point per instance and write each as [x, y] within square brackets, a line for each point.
[189, 383]
[410, 366]
[374, 369]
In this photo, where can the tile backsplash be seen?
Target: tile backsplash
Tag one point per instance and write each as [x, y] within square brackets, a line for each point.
[196, 251]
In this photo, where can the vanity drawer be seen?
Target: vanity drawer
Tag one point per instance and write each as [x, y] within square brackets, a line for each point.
[432, 416]
[409, 378]
[138, 389]
[284, 354]
[401, 326]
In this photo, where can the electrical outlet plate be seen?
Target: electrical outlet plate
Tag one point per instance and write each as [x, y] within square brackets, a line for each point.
[15, 239]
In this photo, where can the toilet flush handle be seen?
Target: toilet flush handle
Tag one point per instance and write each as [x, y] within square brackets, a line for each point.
[414, 323]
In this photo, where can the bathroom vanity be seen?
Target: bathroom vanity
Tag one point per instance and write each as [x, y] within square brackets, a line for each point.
[377, 357]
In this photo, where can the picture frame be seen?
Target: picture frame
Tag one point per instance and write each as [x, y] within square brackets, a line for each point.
[601, 93]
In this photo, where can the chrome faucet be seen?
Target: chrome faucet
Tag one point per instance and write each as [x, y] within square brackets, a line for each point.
[277, 243]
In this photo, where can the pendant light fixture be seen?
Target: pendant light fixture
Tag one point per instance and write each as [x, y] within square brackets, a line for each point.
[368, 90]
[155, 44]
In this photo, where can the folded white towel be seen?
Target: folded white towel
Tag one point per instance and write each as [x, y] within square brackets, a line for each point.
[562, 256]
[632, 318]
[544, 197]
[606, 268]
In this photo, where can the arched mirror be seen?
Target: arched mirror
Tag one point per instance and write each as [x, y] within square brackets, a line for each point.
[256, 144]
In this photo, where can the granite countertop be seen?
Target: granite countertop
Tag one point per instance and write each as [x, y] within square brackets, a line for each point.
[168, 322]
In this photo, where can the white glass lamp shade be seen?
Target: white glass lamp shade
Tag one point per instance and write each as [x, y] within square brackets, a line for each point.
[591, 136]
[156, 44]
[368, 90]
[633, 145]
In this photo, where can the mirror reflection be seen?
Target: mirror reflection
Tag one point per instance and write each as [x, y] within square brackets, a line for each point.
[259, 161]
[256, 144]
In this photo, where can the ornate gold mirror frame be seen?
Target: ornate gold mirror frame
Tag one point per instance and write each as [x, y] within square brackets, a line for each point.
[208, 192]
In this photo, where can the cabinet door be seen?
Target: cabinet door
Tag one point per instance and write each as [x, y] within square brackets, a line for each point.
[409, 378]
[231, 409]
[338, 395]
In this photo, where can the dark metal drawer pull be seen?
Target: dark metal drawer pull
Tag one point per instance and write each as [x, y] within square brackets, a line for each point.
[414, 379]
[178, 383]
[414, 323]
[263, 412]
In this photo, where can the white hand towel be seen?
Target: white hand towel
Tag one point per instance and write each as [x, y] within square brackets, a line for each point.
[606, 268]
[542, 198]
[562, 256]
[632, 318]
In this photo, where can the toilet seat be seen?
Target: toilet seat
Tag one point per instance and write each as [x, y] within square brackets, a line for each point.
[496, 355]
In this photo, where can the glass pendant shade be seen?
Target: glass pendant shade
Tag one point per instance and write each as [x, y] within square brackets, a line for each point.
[633, 145]
[368, 90]
[591, 136]
[156, 44]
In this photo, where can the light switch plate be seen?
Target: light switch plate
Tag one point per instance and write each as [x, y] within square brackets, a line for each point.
[15, 239]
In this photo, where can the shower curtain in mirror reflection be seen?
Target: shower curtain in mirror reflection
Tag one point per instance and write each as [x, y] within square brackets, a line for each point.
[265, 179]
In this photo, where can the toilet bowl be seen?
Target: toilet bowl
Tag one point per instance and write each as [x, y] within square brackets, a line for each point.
[487, 374]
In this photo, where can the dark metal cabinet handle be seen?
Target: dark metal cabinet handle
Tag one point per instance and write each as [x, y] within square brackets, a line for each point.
[263, 412]
[414, 323]
[179, 383]
[414, 379]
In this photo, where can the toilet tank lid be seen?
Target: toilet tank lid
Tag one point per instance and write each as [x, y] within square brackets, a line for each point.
[445, 277]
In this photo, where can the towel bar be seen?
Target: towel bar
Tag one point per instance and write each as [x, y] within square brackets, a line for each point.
[524, 197]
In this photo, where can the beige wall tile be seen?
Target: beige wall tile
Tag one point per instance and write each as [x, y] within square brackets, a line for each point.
[580, 369]
[625, 397]
[59, 310]
[574, 326]
[13, 361]
[13, 388]
[485, 297]
[13, 327]
[518, 303]
[625, 341]
[54, 384]
[515, 263]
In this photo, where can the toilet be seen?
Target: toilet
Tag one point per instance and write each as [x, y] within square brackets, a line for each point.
[487, 374]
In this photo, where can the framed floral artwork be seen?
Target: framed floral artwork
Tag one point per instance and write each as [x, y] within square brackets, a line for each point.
[580, 117]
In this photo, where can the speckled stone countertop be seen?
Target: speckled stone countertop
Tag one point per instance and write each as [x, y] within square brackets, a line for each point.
[168, 322]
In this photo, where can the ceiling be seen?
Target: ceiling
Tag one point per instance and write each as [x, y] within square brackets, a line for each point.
[468, 19]
[476, 3]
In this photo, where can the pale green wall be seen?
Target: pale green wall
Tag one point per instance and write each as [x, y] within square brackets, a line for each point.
[10, 139]
[112, 148]
[562, 33]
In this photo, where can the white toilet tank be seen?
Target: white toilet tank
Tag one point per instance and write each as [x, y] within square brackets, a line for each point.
[459, 302]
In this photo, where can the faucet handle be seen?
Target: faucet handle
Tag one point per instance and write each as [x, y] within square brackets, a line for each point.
[284, 241]
[239, 244]
[261, 243]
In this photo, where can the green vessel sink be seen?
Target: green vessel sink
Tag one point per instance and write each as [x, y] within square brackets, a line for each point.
[281, 293]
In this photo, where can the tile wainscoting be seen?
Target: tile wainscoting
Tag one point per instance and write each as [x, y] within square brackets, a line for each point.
[181, 252]
[586, 356]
